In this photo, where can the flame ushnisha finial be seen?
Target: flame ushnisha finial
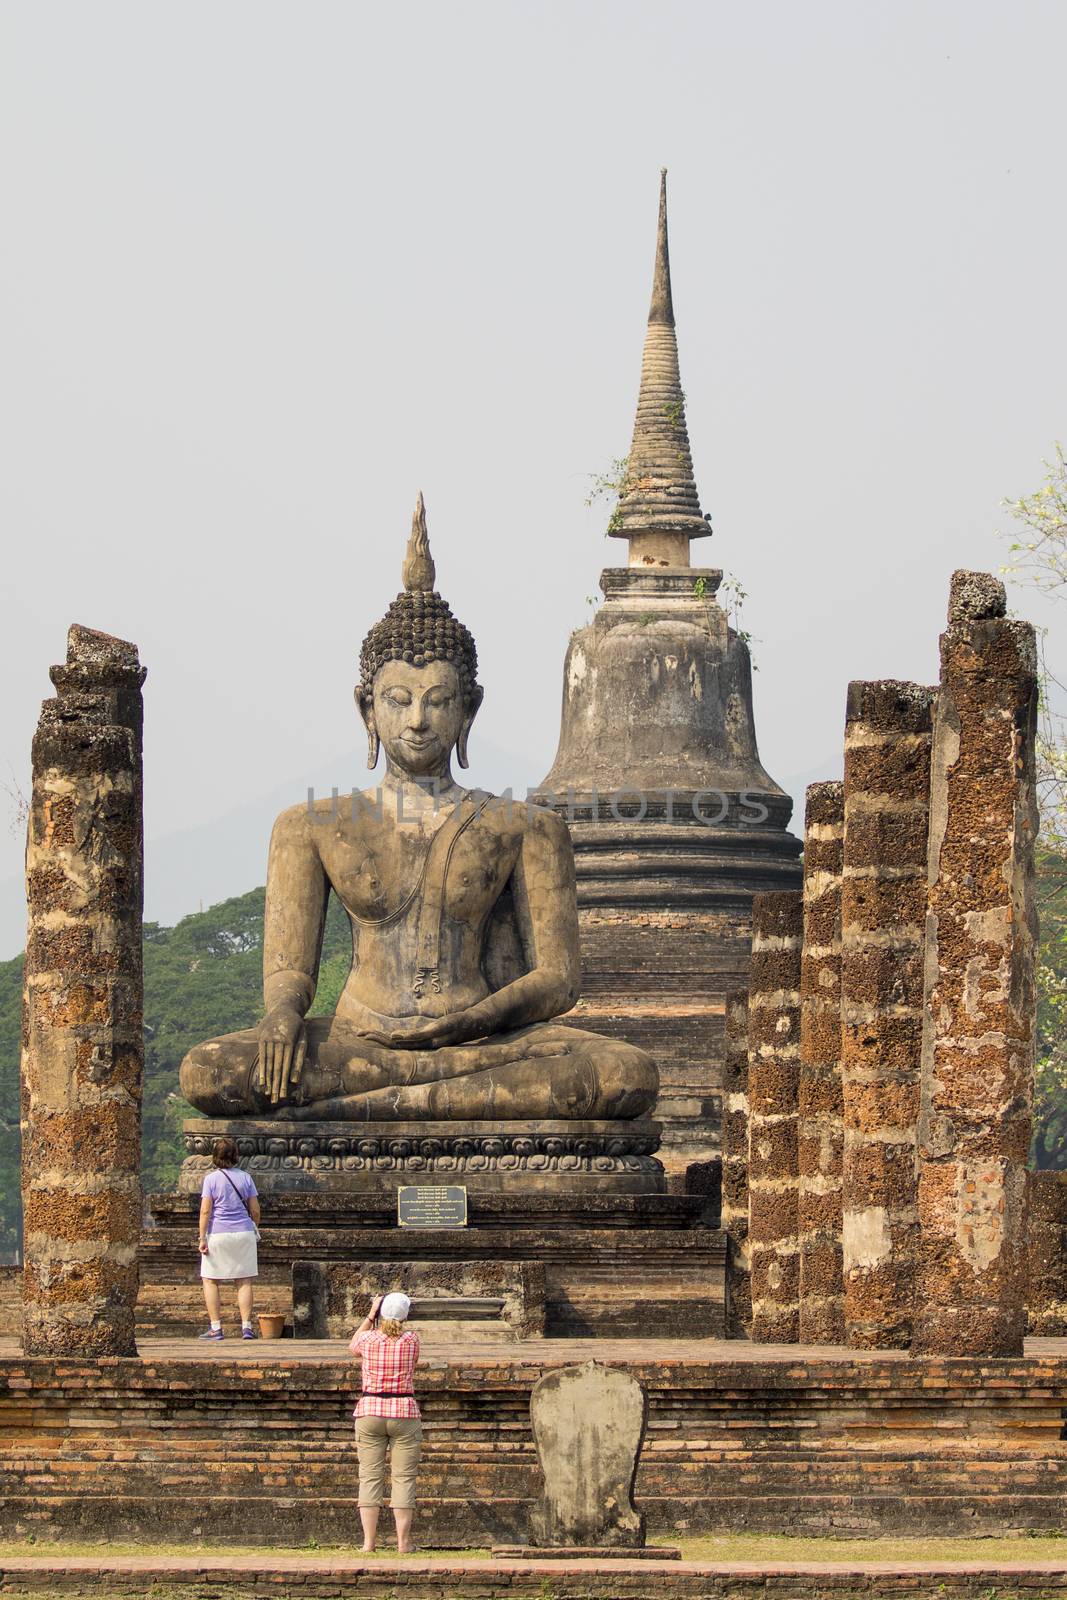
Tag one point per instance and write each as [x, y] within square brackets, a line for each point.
[418, 571]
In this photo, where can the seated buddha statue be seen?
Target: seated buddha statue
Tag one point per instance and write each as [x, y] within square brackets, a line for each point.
[464, 925]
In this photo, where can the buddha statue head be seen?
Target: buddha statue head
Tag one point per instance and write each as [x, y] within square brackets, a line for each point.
[418, 692]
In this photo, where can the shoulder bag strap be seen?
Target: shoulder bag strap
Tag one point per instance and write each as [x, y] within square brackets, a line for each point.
[235, 1189]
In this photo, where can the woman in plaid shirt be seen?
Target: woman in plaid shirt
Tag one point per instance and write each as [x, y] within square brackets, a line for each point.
[387, 1415]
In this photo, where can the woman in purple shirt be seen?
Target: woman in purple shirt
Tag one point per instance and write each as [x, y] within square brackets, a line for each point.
[229, 1214]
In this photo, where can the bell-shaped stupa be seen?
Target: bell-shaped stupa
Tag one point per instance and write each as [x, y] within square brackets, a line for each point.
[675, 822]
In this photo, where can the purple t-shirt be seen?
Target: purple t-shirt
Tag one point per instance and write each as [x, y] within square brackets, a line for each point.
[228, 1214]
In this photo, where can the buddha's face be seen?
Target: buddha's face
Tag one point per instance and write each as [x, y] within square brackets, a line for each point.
[418, 713]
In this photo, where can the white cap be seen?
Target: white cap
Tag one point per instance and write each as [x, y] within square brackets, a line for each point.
[395, 1307]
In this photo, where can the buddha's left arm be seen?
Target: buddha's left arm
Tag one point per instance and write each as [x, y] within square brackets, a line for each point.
[543, 890]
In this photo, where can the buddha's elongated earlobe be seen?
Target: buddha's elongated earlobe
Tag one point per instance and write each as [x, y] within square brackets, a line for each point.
[365, 704]
[473, 703]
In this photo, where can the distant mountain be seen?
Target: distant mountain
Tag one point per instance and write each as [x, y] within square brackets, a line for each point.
[203, 977]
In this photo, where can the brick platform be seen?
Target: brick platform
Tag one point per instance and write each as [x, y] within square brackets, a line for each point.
[231, 1443]
[334, 1578]
[606, 1258]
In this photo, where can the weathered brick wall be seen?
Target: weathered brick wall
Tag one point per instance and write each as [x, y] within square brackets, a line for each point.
[883, 907]
[981, 934]
[261, 1451]
[83, 1052]
[655, 975]
[773, 1080]
[821, 1128]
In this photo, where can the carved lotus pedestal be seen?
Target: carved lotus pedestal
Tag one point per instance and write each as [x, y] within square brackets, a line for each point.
[569, 1158]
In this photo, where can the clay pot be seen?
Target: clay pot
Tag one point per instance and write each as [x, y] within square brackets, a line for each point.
[270, 1326]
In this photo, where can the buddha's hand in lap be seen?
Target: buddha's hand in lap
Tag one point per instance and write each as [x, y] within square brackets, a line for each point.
[429, 1033]
[282, 1052]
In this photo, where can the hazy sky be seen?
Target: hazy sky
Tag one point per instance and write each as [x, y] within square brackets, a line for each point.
[269, 269]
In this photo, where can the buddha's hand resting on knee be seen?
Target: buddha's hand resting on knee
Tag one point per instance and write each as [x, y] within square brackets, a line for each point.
[282, 1050]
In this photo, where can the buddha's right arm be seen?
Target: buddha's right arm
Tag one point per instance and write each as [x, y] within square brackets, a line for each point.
[294, 915]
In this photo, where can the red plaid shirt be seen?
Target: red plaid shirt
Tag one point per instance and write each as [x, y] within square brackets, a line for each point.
[388, 1373]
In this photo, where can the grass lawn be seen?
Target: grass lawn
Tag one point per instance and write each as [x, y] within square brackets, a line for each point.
[751, 1548]
[780, 1549]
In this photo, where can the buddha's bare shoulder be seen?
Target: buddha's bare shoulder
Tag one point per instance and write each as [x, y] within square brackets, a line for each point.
[528, 820]
[302, 824]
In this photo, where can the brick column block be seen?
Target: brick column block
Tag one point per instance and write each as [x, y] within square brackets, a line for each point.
[981, 932]
[1046, 1251]
[82, 1047]
[735, 1164]
[773, 1078]
[883, 909]
[819, 1103]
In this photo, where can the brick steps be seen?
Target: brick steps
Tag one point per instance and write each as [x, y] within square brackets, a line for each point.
[256, 1445]
[333, 1577]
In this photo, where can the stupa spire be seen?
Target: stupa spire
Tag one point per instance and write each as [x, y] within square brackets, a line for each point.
[659, 507]
[662, 307]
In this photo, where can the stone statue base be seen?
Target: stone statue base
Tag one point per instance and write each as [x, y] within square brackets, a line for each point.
[345, 1157]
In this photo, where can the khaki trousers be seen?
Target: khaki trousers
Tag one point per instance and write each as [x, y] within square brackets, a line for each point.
[374, 1435]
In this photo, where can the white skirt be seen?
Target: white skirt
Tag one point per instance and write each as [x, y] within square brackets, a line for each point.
[230, 1256]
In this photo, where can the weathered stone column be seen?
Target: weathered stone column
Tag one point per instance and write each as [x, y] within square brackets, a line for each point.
[821, 1133]
[773, 1074]
[82, 1048]
[883, 908]
[735, 1164]
[981, 932]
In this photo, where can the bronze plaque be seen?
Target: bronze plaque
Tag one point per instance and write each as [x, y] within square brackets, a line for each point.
[430, 1205]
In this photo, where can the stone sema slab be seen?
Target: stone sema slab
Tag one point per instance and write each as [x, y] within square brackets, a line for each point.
[257, 1449]
[614, 1265]
[348, 1157]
